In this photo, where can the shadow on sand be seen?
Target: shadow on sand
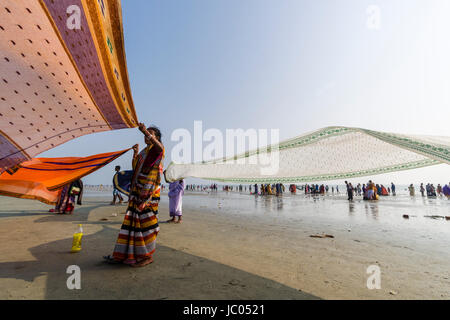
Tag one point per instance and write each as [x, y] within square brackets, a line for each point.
[81, 213]
[173, 275]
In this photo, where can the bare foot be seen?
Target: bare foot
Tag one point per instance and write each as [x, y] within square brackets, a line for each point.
[142, 263]
[179, 220]
[171, 220]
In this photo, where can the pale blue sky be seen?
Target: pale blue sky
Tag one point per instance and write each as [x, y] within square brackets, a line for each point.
[287, 64]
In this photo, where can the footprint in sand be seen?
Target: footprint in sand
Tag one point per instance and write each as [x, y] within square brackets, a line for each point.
[235, 282]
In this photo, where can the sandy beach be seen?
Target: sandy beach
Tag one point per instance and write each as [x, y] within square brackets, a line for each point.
[234, 246]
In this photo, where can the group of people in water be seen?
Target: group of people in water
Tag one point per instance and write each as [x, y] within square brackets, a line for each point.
[372, 191]
[430, 190]
[268, 189]
[369, 190]
[196, 187]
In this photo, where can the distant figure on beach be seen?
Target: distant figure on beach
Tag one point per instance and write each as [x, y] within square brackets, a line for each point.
[322, 189]
[349, 191]
[422, 190]
[116, 193]
[371, 191]
[446, 190]
[293, 188]
[358, 189]
[278, 189]
[411, 189]
[136, 242]
[393, 188]
[176, 191]
[66, 202]
[431, 192]
[439, 189]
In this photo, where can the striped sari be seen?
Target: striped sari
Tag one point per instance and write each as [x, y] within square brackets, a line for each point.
[137, 237]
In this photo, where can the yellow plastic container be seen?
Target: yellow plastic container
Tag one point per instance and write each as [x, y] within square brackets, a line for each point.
[76, 243]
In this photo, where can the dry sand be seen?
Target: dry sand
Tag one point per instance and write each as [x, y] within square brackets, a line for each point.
[221, 253]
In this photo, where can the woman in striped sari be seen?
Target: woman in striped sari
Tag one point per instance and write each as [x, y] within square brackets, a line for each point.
[136, 242]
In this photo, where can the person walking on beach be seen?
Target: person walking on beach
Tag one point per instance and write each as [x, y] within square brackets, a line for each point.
[439, 189]
[293, 188]
[349, 191]
[422, 190]
[278, 190]
[176, 191]
[393, 188]
[371, 191]
[446, 190]
[136, 242]
[116, 193]
[358, 189]
[433, 190]
[411, 189]
[428, 189]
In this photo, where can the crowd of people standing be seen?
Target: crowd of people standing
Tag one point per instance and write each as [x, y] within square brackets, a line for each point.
[369, 190]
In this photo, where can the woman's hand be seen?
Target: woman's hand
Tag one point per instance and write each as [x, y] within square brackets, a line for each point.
[141, 207]
[152, 138]
[143, 129]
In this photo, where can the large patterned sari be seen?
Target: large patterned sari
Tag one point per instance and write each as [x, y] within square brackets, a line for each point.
[137, 237]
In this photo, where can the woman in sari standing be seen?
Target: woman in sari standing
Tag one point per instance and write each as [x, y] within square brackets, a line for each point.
[136, 242]
[176, 191]
[66, 201]
[446, 190]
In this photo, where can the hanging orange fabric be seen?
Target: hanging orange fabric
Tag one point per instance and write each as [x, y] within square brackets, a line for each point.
[60, 79]
[41, 178]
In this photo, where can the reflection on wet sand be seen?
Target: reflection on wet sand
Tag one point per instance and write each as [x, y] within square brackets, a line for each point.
[372, 209]
[351, 208]
[280, 203]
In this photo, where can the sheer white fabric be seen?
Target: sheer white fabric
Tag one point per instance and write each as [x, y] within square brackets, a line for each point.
[326, 154]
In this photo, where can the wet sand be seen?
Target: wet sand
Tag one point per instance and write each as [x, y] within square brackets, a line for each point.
[234, 246]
